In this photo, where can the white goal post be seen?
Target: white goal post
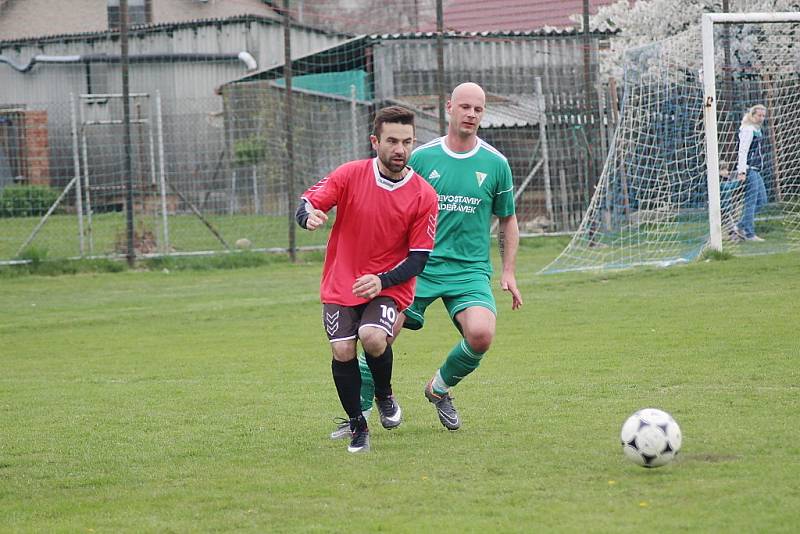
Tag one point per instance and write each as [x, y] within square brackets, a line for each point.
[710, 110]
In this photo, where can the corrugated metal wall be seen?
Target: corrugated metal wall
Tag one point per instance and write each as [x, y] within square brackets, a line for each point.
[508, 66]
[47, 83]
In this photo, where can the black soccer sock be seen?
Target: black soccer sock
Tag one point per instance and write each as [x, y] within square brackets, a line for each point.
[347, 378]
[381, 368]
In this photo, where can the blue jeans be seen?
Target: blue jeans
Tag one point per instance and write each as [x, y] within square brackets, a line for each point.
[755, 196]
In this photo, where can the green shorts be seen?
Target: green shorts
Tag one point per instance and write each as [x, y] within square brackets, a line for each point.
[476, 291]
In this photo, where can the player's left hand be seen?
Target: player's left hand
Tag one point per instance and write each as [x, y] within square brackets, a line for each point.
[367, 286]
[509, 283]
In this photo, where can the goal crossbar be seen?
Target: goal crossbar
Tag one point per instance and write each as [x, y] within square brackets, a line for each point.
[736, 18]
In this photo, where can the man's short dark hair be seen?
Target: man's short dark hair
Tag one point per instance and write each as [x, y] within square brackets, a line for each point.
[393, 114]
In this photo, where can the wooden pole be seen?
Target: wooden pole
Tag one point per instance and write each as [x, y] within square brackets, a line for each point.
[588, 124]
[440, 65]
[126, 120]
[287, 76]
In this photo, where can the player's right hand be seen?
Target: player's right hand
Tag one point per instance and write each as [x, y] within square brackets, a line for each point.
[316, 218]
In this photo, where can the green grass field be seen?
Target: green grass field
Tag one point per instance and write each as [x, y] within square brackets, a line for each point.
[201, 401]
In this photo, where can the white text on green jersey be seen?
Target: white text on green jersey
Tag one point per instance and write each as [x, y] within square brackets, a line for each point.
[458, 203]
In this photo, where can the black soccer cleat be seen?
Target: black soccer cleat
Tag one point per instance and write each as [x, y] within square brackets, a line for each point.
[448, 415]
[359, 435]
[390, 412]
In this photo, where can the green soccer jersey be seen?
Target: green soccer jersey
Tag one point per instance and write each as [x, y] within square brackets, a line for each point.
[471, 187]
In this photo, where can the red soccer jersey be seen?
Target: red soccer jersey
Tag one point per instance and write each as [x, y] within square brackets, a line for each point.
[378, 222]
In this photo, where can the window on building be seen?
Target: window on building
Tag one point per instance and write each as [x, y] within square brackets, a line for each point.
[11, 143]
[139, 12]
[97, 82]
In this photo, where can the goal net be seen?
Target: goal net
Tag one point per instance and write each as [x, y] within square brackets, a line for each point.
[669, 188]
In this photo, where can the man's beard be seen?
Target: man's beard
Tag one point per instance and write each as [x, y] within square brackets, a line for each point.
[392, 166]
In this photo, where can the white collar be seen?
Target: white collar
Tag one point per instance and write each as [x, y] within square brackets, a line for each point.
[461, 155]
[389, 185]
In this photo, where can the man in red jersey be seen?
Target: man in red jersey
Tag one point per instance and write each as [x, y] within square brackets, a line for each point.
[384, 231]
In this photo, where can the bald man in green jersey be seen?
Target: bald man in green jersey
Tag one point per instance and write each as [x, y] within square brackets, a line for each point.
[473, 181]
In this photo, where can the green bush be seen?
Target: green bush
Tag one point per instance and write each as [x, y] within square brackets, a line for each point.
[250, 150]
[35, 255]
[26, 200]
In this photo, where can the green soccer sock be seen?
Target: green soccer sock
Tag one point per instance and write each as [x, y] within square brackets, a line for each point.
[461, 361]
[367, 383]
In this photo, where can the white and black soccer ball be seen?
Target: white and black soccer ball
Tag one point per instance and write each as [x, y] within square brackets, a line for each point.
[650, 438]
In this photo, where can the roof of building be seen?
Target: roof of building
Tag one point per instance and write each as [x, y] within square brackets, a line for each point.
[349, 54]
[508, 15]
[160, 28]
[540, 32]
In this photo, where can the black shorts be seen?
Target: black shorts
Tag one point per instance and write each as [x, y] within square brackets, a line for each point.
[342, 322]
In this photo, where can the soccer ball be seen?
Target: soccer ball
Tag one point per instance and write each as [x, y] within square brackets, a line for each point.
[650, 438]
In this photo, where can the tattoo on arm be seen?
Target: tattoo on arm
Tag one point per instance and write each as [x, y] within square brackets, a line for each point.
[501, 243]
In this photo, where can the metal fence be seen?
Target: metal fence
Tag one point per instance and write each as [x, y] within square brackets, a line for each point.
[210, 166]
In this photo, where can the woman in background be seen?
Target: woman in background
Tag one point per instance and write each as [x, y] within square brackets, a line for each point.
[750, 164]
